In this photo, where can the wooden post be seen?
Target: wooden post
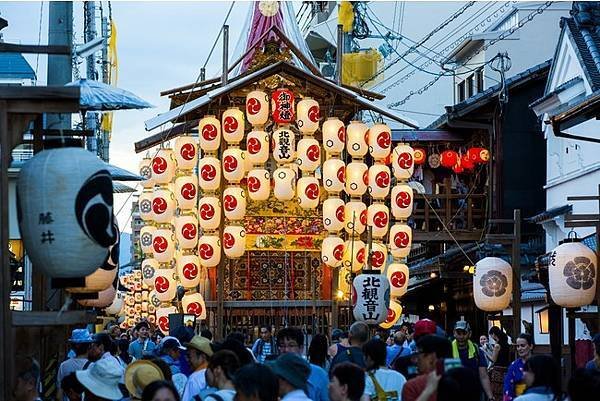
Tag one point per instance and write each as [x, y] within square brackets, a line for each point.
[516, 267]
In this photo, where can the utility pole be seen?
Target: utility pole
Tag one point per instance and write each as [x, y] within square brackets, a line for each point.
[90, 34]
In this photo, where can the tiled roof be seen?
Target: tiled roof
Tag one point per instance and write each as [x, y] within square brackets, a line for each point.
[582, 51]
[551, 213]
[14, 65]
[560, 88]
[532, 292]
[590, 242]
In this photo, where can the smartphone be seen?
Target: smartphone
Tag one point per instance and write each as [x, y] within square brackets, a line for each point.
[444, 365]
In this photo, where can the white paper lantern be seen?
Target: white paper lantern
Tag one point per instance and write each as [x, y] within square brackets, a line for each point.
[333, 214]
[145, 205]
[394, 313]
[193, 304]
[163, 245]
[186, 230]
[209, 133]
[380, 141]
[403, 161]
[259, 184]
[379, 181]
[145, 169]
[308, 115]
[163, 166]
[285, 184]
[355, 253]
[332, 251]
[165, 284]
[233, 125]
[334, 136]
[378, 256]
[234, 164]
[334, 175]
[400, 240]
[149, 268]
[186, 191]
[378, 217]
[116, 306]
[257, 147]
[186, 152]
[234, 203]
[65, 211]
[370, 298]
[163, 204]
[309, 154]
[105, 298]
[209, 173]
[234, 241]
[188, 270]
[209, 250]
[573, 275]
[355, 217]
[492, 284]
[162, 318]
[146, 239]
[257, 108]
[309, 192]
[356, 178]
[209, 212]
[357, 134]
[398, 275]
[284, 145]
[402, 201]
[99, 280]
[153, 299]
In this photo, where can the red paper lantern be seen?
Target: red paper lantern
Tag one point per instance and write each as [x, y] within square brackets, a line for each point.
[282, 104]
[449, 158]
[466, 162]
[478, 155]
[419, 156]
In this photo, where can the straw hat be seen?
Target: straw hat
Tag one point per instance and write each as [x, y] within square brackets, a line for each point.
[139, 374]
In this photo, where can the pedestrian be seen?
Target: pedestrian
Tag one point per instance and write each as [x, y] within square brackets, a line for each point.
[161, 390]
[594, 364]
[170, 351]
[80, 341]
[27, 385]
[406, 364]
[397, 349]
[347, 382]
[381, 383]
[486, 348]
[113, 330]
[430, 349]
[102, 347]
[242, 339]
[101, 380]
[142, 345]
[265, 345]
[199, 351]
[357, 337]
[139, 375]
[470, 355]
[184, 334]
[220, 372]
[71, 387]
[256, 382]
[542, 377]
[514, 384]
[317, 351]
[338, 336]
[206, 333]
[292, 372]
[291, 340]
[239, 350]
[499, 360]
[583, 383]
[458, 384]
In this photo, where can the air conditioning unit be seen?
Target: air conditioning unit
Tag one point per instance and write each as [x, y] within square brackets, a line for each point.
[327, 70]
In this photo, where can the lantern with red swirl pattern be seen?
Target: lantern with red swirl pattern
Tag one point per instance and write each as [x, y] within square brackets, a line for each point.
[309, 154]
[165, 284]
[334, 175]
[355, 254]
[309, 192]
[402, 201]
[394, 313]
[149, 268]
[234, 241]
[378, 217]
[186, 152]
[193, 304]
[379, 181]
[284, 146]
[234, 203]
[257, 108]
[355, 217]
[163, 166]
[186, 230]
[357, 135]
[163, 245]
[188, 269]
[334, 136]
[209, 173]
[257, 147]
[403, 162]
[333, 215]
[285, 184]
[308, 116]
[332, 251]
[209, 133]
[145, 169]
[163, 205]
[186, 191]
[162, 318]
[400, 241]
[233, 123]
[234, 164]
[282, 106]
[209, 250]
[357, 178]
[259, 184]
[378, 256]
[146, 233]
[209, 212]
[380, 141]
[145, 205]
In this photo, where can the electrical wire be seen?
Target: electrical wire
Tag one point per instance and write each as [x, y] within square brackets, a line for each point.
[218, 35]
[37, 57]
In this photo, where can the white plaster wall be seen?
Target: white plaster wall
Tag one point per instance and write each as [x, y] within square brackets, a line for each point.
[13, 223]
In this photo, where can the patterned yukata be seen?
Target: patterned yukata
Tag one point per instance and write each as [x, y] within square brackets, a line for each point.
[513, 381]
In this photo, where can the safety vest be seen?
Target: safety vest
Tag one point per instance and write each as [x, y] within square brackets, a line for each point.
[472, 349]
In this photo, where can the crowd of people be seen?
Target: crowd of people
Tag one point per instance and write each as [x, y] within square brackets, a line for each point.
[416, 362]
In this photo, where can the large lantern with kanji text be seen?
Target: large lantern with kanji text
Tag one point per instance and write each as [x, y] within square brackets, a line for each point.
[282, 106]
[370, 298]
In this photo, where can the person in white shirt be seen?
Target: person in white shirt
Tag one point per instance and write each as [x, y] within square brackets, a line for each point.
[378, 377]
[220, 373]
[292, 372]
[199, 352]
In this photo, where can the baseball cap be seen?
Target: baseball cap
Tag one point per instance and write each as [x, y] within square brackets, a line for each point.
[423, 327]
[171, 343]
[462, 325]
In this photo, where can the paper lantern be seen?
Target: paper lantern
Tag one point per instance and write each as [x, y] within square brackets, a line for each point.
[308, 116]
[402, 201]
[186, 152]
[419, 156]
[209, 133]
[448, 158]
[492, 284]
[394, 313]
[334, 136]
[466, 163]
[162, 318]
[357, 178]
[403, 162]
[332, 251]
[234, 241]
[116, 306]
[379, 181]
[257, 108]
[334, 175]
[146, 239]
[99, 280]
[378, 217]
[163, 205]
[357, 134]
[186, 230]
[400, 240]
[165, 284]
[309, 154]
[458, 168]
[209, 212]
[209, 173]
[153, 299]
[573, 274]
[355, 254]
[234, 203]
[370, 298]
[186, 191]
[145, 169]
[380, 141]
[309, 192]
[282, 106]
[145, 205]
[398, 274]
[193, 304]
[333, 214]
[105, 298]
[163, 166]
[188, 270]
[149, 268]
[257, 147]
[355, 217]
[65, 211]
[478, 155]
[233, 125]
[378, 256]
[285, 184]
[284, 146]
[209, 250]
[163, 245]
[234, 164]
[259, 184]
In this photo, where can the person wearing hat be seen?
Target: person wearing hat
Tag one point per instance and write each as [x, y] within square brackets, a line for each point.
[199, 351]
[102, 347]
[80, 343]
[140, 374]
[292, 372]
[430, 348]
[142, 345]
[101, 380]
[470, 355]
[220, 373]
[170, 351]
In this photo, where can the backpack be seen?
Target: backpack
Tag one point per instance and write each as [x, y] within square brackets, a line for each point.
[348, 354]
[380, 393]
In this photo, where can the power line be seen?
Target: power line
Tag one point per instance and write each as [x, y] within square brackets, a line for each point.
[37, 57]
[218, 35]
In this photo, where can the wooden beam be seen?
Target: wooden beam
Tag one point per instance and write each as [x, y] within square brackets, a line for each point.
[39, 106]
[442, 236]
[35, 318]
[35, 49]
[67, 132]
[40, 93]
[165, 135]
